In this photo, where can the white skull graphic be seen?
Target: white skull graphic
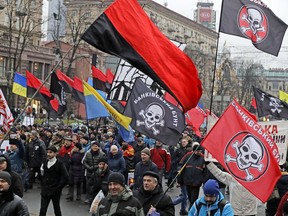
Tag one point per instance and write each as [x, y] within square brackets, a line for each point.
[154, 114]
[250, 153]
[255, 19]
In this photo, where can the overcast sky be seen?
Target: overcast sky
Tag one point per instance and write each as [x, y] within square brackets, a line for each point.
[279, 7]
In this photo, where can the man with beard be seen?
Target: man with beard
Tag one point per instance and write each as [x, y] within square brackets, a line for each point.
[54, 178]
[10, 203]
[213, 202]
[152, 197]
[120, 200]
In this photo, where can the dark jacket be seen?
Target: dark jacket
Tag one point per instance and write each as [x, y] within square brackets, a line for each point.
[117, 162]
[17, 157]
[35, 153]
[76, 168]
[17, 183]
[12, 205]
[137, 155]
[123, 204]
[140, 168]
[91, 161]
[165, 207]
[99, 181]
[54, 178]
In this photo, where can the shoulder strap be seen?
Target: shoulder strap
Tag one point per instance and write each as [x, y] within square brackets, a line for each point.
[221, 206]
[198, 206]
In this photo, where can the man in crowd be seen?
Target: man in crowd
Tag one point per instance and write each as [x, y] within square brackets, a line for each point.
[35, 155]
[55, 177]
[10, 204]
[141, 167]
[213, 202]
[161, 157]
[120, 200]
[151, 196]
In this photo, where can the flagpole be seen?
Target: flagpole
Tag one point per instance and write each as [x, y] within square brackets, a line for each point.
[215, 63]
[36, 92]
[179, 172]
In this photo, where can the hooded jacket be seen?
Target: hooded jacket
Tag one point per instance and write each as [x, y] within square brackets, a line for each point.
[17, 183]
[123, 204]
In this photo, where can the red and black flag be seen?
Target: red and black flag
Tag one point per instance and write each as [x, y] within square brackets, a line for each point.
[245, 150]
[57, 90]
[153, 116]
[99, 79]
[66, 82]
[110, 77]
[43, 95]
[267, 105]
[125, 30]
[78, 91]
[255, 21]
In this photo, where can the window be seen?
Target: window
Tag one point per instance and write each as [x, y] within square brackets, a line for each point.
[2, 66]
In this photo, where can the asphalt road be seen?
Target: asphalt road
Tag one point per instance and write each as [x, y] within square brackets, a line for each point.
[76, 208]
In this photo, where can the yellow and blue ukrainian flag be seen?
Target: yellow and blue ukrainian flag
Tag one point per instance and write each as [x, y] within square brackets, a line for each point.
[19, 85]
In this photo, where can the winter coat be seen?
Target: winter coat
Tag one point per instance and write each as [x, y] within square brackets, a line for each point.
[140, 168]
[99, 181]
[35, 153]
[17, 157]
[123, 204]
[205, 208]
[76, 168]
[12, 205]
[90, 161]
[161, 157]
[165, 207]
[242, 201]
[116, 162]
[137, 154]
[17, 183]
[54, 178]
[64, 155]
[193, 173]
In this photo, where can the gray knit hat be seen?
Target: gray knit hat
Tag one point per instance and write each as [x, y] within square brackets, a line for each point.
[6, 177]
[146, 151]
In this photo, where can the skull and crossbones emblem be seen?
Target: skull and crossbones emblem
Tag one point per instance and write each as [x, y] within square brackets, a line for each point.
[152, 117]
[253, 20]
[249, 155]
[275, 105]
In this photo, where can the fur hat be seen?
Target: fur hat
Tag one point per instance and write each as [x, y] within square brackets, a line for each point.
[6, 177]
[211, 187]
[146, 151]
[116, 177]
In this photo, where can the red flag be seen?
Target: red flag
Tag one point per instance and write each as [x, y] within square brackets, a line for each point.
[125, 30]
[44, 95]
[6, 115]
[78, 91]
[66, 81]
[245, 150]
[99, 79]
[195, 118]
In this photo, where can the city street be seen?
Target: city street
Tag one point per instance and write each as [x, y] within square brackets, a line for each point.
[76, 208]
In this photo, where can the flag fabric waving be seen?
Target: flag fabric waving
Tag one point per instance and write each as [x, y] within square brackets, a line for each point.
[283, 96]
[78, 91]
[269, 105]
[94, 108]
[6, 115]
[57, 90]
[66, 82]
[255, 21]
[125, 30]
[195, 118]
[19, 85]
[99, 79]
[121, 119]
[153, 116]
[245, 150]
[44, 95]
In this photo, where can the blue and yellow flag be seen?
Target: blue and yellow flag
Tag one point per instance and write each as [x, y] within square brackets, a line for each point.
[118, 117]
[283, 96]
[19, 85]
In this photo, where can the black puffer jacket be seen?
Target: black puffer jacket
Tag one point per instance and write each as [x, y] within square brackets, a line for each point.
[35, 153]
[11, 204]
[165, 207]
[17, 183]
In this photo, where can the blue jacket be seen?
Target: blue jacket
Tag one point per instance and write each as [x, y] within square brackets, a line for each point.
[116, 162]
[227, 210]
[17, 157]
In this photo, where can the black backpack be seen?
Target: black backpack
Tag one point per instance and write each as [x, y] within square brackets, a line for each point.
[221, 206]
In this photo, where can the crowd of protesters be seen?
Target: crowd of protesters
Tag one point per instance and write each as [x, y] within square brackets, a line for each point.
[90, 159]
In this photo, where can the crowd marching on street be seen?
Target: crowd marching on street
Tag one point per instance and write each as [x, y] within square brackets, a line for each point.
[119, 178]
